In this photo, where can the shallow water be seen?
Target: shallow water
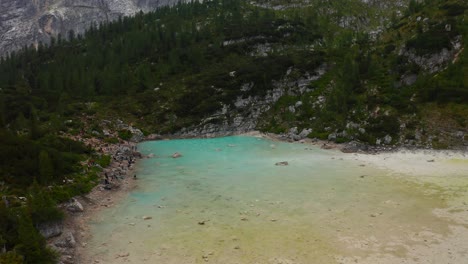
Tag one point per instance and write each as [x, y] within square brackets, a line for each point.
[225, 201]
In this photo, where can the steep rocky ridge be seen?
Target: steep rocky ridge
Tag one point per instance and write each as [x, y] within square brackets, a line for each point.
[26, 22]
[244, 114]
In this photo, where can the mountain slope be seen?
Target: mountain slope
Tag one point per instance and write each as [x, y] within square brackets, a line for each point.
[27, 22]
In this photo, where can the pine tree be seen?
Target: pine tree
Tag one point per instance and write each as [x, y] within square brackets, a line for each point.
[46, 167]
[31, 244]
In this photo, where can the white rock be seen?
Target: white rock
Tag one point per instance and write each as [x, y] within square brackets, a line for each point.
[75, 206]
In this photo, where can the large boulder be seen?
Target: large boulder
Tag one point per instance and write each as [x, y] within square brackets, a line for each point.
[305, 132]
[137, 135]
[68, 241]
[50, 229]
[332, 137]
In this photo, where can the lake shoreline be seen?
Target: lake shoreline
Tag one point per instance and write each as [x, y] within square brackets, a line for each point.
[115, 183]
[346, 147]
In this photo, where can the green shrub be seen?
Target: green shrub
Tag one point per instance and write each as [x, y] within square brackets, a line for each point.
[319, 135]
[383, 125]
[31, 244]
[61, 193]
[111, 140]
[104, 160]
[125, 134]
[41, 206]
[341, 140]
[440, 145]
[454, 8]
[434, 40]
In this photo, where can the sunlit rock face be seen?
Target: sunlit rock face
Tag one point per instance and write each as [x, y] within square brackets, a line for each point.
[29, 22]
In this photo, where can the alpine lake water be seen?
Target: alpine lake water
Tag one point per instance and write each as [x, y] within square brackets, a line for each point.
[225, 201]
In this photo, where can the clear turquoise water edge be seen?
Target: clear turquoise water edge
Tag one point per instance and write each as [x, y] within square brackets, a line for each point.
[225, 201]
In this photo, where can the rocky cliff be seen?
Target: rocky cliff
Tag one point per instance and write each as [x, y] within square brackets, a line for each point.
[26, 22]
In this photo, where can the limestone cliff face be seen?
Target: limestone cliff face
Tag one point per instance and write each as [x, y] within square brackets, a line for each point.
[26, 22]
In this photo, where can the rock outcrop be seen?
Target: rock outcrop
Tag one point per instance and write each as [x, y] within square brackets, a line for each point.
[26, 22]
[244, 114]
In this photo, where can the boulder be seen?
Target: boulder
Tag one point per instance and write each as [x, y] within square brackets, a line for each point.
[75, 206]
[50, 229]
[305, 132]
[137, 135]
[387, 140]
[354, 146]
[293, 131]
[68, 241]
[460, 134]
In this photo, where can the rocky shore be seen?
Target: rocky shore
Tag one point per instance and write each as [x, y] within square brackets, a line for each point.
[69, 236]
[294, 135]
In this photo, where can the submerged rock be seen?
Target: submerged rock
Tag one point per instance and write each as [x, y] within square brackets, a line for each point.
[282, 163]
[203, 222]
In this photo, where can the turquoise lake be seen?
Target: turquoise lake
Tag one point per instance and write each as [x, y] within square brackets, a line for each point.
[225, 201]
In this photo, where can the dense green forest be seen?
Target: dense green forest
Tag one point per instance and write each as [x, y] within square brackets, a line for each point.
[171, 68]
[180, 47]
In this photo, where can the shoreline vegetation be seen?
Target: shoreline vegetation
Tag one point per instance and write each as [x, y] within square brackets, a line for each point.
[115, 181]
[401, 160]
